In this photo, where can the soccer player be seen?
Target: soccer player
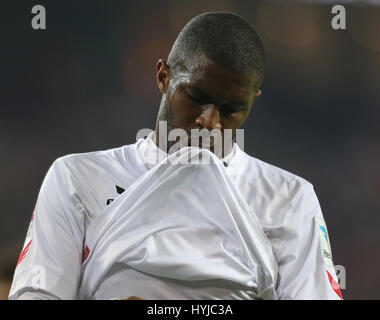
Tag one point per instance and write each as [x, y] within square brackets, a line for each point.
[136, 222]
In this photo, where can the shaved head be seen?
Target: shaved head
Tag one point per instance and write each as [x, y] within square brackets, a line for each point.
[223, 38]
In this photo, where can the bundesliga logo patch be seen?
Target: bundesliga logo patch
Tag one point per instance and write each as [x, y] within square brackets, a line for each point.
[325, 243]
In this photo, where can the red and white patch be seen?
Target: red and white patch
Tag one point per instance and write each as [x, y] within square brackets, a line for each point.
[28, 240]
[334, 285]
[23, 253]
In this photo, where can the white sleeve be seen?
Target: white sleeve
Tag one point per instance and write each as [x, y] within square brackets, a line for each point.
[52, 254]
[306, 269]
[36, 295]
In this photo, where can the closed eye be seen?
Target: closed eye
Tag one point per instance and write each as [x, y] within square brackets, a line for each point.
[231, 109]
[196, 98]
[227, 108]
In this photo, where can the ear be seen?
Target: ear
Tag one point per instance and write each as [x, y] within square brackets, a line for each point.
[163, 75]
[256, 96]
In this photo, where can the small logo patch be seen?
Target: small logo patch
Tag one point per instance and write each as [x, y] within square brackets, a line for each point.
[334, 285]
[324, 232]
[119, 190]
[325, 242]
[23, 253]
[28, 240]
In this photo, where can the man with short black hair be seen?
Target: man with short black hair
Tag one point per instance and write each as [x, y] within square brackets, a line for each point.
[151, 220]
[222, 51]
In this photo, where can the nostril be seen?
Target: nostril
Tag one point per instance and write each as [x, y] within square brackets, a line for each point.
[199, 124]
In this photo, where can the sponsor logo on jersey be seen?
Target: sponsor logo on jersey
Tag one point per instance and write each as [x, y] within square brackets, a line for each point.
[334, 285]
[324, 240]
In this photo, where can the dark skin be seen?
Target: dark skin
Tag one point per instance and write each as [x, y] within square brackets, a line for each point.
[206, 96]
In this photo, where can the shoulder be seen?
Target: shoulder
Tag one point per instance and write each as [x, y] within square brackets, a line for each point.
[100, 158]
[90, 177]
[73, 170]
[271, 177]
[95, 166]
[274, 193]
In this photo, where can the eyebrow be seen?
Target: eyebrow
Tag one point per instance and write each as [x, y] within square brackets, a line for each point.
[208, 97]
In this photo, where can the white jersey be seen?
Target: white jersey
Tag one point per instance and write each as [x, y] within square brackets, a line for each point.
[114, 223]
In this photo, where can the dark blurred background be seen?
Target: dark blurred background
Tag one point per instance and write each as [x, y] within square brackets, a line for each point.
[87, 83]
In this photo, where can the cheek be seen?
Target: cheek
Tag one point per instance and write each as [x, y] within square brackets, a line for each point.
[183, 110]
[235, 121]
[243, 117]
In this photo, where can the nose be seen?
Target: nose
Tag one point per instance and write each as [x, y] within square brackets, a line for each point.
[210, 118]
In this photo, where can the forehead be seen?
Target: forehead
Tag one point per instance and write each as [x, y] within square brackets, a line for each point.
[220, 82]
